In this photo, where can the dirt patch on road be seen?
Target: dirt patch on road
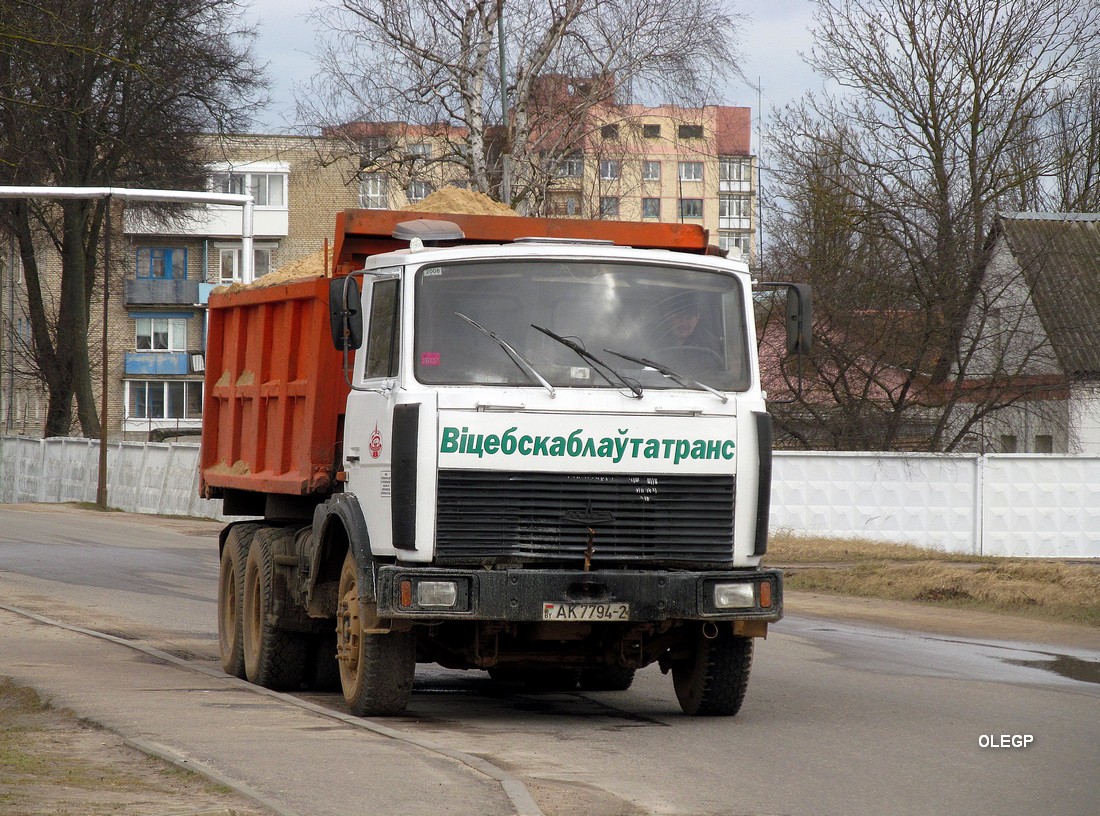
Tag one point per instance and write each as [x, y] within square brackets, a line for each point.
[53, 764]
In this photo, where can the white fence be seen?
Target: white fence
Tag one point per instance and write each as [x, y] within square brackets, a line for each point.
[1037, 505]
[142, 477]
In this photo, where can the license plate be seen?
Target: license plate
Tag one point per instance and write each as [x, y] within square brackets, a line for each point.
[586, 611]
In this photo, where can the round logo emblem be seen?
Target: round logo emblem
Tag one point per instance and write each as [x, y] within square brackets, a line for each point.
[375, 443]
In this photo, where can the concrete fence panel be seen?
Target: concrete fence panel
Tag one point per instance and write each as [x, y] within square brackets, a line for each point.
[1041, 505]
[922, 499]
[1008, 505]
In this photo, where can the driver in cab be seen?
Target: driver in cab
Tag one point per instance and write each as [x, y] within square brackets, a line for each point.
[682, 326]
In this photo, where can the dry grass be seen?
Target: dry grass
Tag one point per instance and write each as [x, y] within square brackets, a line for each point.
[1049, 589]
[53, 764]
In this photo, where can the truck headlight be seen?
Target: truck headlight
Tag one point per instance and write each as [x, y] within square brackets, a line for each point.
[436, 593]
[734, 596]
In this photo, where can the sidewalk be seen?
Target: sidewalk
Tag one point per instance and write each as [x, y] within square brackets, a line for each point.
[293, 761]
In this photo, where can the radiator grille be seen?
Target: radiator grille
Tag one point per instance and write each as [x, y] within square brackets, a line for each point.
[507, 516]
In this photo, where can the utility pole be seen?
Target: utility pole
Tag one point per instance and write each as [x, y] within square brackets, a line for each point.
[505, 157]
[101, 484]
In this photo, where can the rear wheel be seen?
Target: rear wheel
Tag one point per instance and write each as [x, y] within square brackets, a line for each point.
[607, 678]
[376, 670]
[712, 681]
[273, 657]
[231, 598]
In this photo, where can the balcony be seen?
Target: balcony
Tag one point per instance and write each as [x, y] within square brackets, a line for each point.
[157, 363]
[162, 292]
[734, 186]
[209, 222]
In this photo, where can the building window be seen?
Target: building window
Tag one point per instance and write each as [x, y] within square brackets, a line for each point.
[374, 147]
[161, 262]
[729, 240]
[734, 212]
[267, 189]
[229, 263]
[609, 132]
[651, 131]
[373, 192]
[572, 166]
[734, 169]
[568, 204]
[651, 208]
[1044, 443]
[609, 207]
[690, 131]
[691, 208]
[1008, 443]
[422, 149]
[161, 333]
[418, 191]
[651, 170]
[610, 169]
[163, 399]
[691, 171]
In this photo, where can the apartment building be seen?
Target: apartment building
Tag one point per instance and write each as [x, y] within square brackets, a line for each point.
[632, 163]
[162, 271]
[661, 164]
[665, 164]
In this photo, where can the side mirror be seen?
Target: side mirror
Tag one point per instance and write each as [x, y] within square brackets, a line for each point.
[345, 310]
[799, 318]
[799, 314]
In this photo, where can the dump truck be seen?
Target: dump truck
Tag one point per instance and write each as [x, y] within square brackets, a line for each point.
[534, 447]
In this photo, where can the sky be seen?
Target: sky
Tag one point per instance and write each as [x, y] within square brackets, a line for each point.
[774, 35]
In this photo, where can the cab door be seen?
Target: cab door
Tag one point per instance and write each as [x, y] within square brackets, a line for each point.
[368, 424]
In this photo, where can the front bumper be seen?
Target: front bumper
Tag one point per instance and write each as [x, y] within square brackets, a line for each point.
[520, 594]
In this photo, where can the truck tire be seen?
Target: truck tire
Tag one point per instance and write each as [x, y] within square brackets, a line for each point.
[231, 598]
[606, 678]
[273, 658]
[713, 680]
[376, 670]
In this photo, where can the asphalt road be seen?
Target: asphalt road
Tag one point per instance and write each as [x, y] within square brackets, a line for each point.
[840, 718]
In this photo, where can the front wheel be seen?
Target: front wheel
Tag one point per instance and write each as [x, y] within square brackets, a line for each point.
[713, 678]
[376, 670]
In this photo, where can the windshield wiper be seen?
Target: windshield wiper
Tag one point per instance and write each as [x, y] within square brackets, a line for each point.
[588, 356]
[522, 362]
[682, 379]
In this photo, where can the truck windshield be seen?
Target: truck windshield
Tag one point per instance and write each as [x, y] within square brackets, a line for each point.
[689, 320]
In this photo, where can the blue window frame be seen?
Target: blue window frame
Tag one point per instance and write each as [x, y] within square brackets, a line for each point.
[162, 262]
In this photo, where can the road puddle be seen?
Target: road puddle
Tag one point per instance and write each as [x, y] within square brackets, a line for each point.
[1072, 668]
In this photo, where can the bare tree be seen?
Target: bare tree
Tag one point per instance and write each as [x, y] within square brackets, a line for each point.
[1073, 135]
[434, 63]
[937, 127]
[99, 93]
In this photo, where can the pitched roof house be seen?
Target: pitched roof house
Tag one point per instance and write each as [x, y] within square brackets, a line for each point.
[1040, 318]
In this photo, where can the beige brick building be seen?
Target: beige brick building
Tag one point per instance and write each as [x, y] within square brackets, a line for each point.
[161, 274]
[668, 164]
[663, 164]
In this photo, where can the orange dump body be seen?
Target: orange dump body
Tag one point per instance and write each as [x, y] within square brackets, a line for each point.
[275, 390]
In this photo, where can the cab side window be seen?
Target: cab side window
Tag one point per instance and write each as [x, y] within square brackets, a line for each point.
[384, 330]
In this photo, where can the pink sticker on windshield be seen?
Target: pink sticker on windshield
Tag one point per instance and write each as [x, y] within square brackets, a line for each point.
[429, 358]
